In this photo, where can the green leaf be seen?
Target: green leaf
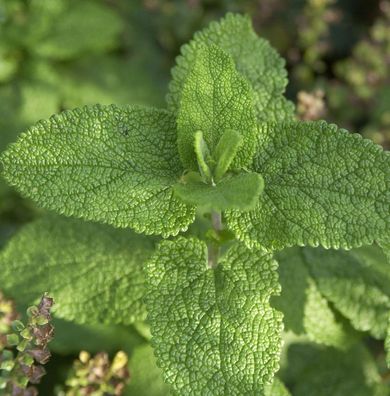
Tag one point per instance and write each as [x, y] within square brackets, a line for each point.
[276, 389]
[254, 59]
[73, 28]
[239, 191]
[108, 79]
[374, 257]
[8, 62]
[10, 99]
[385, 245]
[103, 163]
[310, 312]
[323, 186]
[71, 338]
[226, 151]
[356, 288]
[93, 272]
[321, 323]
[387, 344]
[294, 281]
[203, 156]
[146, 377]
[23, 103]
[215, 98]
[39, 99]
[214, 331]
[318, 371]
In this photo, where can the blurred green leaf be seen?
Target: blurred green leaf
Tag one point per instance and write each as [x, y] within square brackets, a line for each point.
[72, 28]
[319, 371]
[71, 338]
[146, 377]
[93, 272]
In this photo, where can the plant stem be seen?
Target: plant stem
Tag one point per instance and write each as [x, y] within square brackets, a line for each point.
[213, 248]
[216, 220]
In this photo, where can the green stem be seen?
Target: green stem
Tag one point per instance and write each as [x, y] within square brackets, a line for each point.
[216, 220]
[213, 248]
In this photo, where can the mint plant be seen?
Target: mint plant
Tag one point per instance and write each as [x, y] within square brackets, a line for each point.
[227, 165]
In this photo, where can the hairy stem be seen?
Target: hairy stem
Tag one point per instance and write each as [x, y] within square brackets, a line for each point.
[213, 248]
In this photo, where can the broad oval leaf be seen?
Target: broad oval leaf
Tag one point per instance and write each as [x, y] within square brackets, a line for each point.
[310, 313]
[103, 163]
[213, 330]
[254, 58]
[355, 284]
[215, 98]
[94, 272]
[323, 186]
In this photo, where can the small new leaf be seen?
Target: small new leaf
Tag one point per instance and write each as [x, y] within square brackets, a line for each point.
[239, 192]
[213, 330]
[103, 163]
[323, 186]
[203, 156]
[215, 98]
[93, 271]
[225, 152]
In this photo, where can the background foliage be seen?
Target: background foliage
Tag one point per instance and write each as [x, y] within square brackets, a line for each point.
[61, 54]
